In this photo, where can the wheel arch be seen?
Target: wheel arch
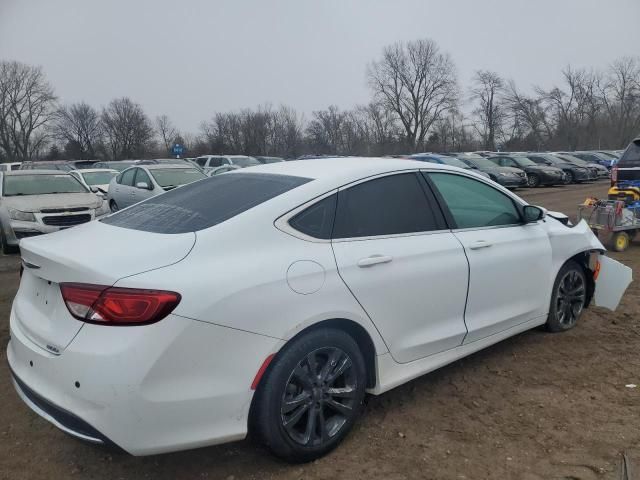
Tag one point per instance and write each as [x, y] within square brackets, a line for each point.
[582, 259]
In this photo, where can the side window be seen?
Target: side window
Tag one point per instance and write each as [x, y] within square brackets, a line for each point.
[224, 161]
[390, 205]
[215, 162]
[141, 176]
[507, 162]
[202, 161]
[536, 160]
[126, 178]
[317, 220]
[474, 204]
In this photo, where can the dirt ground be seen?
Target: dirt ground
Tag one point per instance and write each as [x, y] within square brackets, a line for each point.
[537, 406]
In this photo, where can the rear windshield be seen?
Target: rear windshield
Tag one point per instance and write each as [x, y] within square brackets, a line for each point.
[631, 156]
[17, 185]
[174, 177]
[203, 204]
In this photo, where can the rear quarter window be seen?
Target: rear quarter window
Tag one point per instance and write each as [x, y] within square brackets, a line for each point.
[631, 156]
[205, 203]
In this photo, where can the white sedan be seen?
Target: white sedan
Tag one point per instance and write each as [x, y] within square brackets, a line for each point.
[275, 297]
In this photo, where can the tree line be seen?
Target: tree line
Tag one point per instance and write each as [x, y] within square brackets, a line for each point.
[416, 104]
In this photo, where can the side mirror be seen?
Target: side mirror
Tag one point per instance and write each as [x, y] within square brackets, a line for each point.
[143, 185]
[532, 213]
[94, 189]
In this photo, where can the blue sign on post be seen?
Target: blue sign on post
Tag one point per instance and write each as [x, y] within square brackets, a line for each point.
[177, 149]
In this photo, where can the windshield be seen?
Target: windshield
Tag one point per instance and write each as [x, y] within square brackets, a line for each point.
[631, 156]
[524, 161]
[454, 162]
[245, 161]
[481, 162]
[98, 178]
[174, 177]
[40, 185]
[574, 160]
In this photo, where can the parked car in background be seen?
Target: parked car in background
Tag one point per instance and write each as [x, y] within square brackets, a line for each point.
[9, 166]
[264, 160]
[43, 201]
[573, 173]
[594, 157]
[119, 165]
[61, 165]
[222, 169]
[82, 164]
[164, 161]
[446, 160]
[509, 177]
[597, 170]
[145, 181]
[536, 174]
[95, 179]
[181, 339]
[209, 162]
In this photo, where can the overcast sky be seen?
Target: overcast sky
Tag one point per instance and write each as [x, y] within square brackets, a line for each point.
[191, 58]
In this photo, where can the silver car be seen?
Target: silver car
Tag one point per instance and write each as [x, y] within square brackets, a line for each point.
[33, 202]
[144, 181]
[210, 162]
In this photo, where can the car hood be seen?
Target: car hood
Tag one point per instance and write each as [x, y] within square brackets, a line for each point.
[35, 203]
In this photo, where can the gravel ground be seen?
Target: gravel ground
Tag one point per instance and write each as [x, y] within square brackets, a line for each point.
[537, 406]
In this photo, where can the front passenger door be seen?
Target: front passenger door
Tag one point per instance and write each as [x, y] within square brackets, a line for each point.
[509, 261]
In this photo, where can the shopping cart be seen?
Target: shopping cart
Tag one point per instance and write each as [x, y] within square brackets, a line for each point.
[612, 217]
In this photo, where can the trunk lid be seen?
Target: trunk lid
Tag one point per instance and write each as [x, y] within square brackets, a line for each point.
[93, 253]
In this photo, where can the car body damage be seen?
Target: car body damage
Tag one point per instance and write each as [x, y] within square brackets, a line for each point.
[611, 278]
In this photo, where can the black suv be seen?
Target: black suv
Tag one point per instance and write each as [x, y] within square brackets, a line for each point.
[627, 169]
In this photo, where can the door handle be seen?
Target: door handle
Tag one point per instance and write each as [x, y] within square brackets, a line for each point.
[477, 245]
[374, 260]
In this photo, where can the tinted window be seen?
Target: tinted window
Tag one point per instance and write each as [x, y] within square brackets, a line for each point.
[201, 161]
[385, 206]
[204, 204]
[317, 220]
[215, 162]
[473, 203]
[631, 156]
[127, 177]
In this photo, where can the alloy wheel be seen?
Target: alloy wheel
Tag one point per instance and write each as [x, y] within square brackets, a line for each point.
[571, 298]
[319, 397]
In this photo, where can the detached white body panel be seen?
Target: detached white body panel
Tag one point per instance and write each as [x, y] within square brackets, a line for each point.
[250, 283]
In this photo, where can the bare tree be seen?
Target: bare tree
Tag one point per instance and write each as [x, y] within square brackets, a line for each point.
[487, 90]
[417, 82]
[166, 131]
[128, 131]
[530, 127]
[620, 93]
[79, 126]
[27, 105]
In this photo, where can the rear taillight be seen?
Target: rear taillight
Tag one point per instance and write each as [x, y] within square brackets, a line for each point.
[106, 305]
[614, 175]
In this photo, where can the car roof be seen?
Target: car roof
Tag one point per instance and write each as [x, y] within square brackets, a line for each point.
[164, 166]
[34, 172]
[94, 170]
[341, 170]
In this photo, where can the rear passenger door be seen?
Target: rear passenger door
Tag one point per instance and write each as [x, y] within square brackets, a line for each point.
[405, 268]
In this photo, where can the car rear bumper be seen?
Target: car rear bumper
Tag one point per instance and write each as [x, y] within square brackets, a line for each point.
[173, 385]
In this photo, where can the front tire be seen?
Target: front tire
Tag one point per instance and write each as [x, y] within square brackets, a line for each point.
[568, 298]
[568, 178]
[533, 180]
[311, 395]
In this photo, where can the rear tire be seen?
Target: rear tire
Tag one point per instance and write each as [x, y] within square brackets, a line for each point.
[113, 206]
[311, 395]
[568, 298]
